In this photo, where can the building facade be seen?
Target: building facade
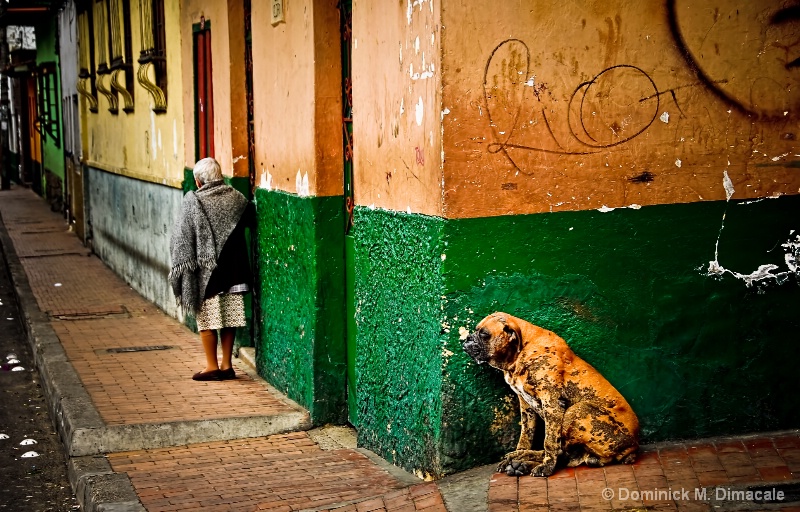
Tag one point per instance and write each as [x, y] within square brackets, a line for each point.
[625, 176]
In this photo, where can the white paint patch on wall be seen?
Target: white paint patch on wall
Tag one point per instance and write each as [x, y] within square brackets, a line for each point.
[764, 273]
[153, 141]
[266, 180]
[301, 184]
[420, 111]
[665, 117]
[728, 185]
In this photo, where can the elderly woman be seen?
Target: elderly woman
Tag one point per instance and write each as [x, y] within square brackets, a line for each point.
[210, 268]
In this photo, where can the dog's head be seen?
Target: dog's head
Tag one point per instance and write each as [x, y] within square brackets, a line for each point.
[496, 340]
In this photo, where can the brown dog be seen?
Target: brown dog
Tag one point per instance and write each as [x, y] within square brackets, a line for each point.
[586, 418]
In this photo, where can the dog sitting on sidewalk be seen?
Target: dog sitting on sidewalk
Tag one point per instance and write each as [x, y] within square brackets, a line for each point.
[586, 419]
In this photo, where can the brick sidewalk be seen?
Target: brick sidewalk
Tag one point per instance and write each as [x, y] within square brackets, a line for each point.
[92, 310]
[734, 463]
[278, 473]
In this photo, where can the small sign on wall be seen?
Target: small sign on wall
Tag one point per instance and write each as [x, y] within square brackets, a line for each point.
[277, 12]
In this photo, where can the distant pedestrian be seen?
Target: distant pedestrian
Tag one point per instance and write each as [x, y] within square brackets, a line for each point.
[210, 267]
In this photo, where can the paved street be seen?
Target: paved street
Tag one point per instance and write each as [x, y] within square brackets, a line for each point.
[142, 435]
[33, 469]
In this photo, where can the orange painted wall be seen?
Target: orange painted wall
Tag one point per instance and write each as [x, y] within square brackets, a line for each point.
[297, 98]
[557, 105]
[397, 105]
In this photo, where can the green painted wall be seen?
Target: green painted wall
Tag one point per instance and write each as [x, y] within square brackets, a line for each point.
[300, 348]
[398, 286]
[46, 51]
[694, 355]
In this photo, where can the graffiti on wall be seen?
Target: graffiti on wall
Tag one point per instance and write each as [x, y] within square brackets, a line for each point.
[746, 54]
[757, 71]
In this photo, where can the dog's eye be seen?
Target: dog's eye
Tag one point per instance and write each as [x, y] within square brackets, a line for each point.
[484, 334]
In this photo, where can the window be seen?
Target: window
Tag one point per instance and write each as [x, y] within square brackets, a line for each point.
[47, 110]
[153, 53]
[119, 25]
[86, 76]
[103, 48]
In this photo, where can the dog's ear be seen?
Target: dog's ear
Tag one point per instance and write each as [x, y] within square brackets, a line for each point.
[513, 344]
[513, 335]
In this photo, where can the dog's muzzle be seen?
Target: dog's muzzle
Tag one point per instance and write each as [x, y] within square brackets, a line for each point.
[475, 348]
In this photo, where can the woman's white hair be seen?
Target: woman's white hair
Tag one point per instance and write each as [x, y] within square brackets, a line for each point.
[207, 170]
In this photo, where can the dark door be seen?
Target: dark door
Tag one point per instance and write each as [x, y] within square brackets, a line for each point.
[203, 91]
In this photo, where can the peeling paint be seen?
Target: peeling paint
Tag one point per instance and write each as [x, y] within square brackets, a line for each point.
[764, 273]
[266, 181]
[664, 117]
[728, 185]
[420, 111]
[678, 162]
[301, 184]
[152, 134]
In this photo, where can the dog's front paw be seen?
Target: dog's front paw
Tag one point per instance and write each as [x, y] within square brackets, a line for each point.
[519, 462]
[545, 469]
[517, 468]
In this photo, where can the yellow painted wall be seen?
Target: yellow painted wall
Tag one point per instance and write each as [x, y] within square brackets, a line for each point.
[297, 98]
[227, 61]
[141, 144]
[578, 105]
[397, 105]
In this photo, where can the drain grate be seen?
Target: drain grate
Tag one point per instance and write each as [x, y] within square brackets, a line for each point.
[89, 313]
[122, 350]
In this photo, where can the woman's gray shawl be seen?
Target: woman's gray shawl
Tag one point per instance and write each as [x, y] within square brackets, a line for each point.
[207, 219]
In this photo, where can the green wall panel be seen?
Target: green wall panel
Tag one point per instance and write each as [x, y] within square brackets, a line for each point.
[398, 287]
[694, 355]
[300, 279]
[47, 52]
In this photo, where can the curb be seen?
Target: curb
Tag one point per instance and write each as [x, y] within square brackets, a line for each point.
[99, 489]
[95, 486]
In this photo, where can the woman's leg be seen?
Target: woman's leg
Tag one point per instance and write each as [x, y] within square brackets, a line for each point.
[228, 334]
[209, 339]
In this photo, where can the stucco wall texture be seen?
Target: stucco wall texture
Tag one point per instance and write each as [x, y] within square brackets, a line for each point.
[300, 274]
[557, 106]
[629, 290]
[141, 144]
[131, 223]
